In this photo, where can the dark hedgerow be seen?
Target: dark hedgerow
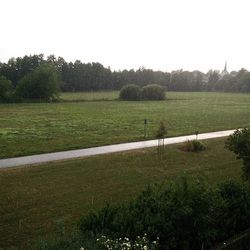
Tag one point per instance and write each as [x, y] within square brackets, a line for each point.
[153, 92]
[130, 92]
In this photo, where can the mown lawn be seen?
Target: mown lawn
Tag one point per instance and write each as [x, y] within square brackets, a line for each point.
[27, 129]
[34, 200]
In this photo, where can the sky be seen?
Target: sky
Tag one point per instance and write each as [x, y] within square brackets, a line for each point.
[123, 34]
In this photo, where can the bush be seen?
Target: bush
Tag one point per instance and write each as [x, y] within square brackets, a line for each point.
[5, 88]
[184, 215]
[192, 146]
[42, 84]
[130, 92]
[153, 92]
[232, 212]
[178, 215]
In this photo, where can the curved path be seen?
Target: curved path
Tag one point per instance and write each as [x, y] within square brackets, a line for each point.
[42, 158]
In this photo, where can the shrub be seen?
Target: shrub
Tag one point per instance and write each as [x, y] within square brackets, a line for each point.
[192, 146]
[239, 143]
[232, 211]
[179, 215]
[153, 92]
[130, 92]
[184, 215]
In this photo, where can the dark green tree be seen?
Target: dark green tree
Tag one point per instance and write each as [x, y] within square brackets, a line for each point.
[213, 78]
[5, 88]
[17, 68]
[243, 80]
[42, 84]
[239, 143]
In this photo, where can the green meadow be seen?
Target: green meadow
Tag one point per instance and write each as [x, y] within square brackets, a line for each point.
[89, 96]
[35, 200]
[99, 118]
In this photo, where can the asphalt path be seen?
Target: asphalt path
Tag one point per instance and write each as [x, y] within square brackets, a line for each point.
[72, 154]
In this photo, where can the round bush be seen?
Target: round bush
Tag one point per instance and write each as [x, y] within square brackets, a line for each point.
[192, 146]
[130, 92]
[153, 92]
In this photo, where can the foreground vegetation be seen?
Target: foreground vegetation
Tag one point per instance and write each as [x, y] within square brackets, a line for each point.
[183, 214]
[35, 200]
[64, 126]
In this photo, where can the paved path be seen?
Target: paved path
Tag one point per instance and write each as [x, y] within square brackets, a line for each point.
[42, 158]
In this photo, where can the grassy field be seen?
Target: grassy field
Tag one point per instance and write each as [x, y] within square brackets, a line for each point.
[90, 96]
[33, 200]
[27, 129]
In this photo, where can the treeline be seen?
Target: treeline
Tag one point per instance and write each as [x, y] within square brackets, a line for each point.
[78, 76]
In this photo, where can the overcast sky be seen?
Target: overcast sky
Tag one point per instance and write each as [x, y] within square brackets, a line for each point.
[157, 34]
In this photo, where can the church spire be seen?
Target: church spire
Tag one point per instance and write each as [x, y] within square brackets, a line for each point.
[225, 69]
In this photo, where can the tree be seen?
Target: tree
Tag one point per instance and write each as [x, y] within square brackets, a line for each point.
[239, 143]
[160, 134]
[244, 80]
[213, 78]
[5, 88]
[78, 76]
[42, 83]
[17, 68]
